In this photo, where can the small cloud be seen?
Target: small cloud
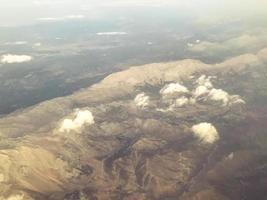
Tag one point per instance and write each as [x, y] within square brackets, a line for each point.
[10, 58]
[81, 118]
[49, 19]
[219, 95]
[16, 43]
[230, 156]
[205, 91]
[192, 101]
[180, 102]
[203, 80]
[205, 132]
[190, 44]
[21, 42]
[200, 91]
[173, 90]
[225, 98]
[75, 17]
[112, 33]
[142, 100]
[236, 99]
[38, 44]
[55, 19]
[204, 86]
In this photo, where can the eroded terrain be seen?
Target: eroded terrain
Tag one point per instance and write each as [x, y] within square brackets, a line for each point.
[179, 130]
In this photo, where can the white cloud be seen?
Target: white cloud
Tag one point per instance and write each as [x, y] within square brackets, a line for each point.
[205, 132]
[200, 91]
[68, 17]
[230, 156]
[75, 17]
[174, 96]
[81, 118]
[112, 33]
[203, 80]
[173, 89]
[190, 44]
[204, 86]
[49, 19]
[16, 43]
[206, 91]
[235, 99]
[9, 58]
[180, 102]
[192, 101]
[225, 98]
[142, 100]
[219, 95]
[38, 44]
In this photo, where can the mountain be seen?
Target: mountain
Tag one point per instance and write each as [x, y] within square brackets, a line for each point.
[177, 130]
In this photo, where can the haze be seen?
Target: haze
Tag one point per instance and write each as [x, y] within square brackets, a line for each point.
[22, 12]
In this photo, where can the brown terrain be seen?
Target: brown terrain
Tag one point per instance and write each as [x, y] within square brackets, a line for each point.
[132, 151]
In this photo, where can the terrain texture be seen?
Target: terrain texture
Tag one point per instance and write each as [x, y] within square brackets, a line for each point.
[164, 131]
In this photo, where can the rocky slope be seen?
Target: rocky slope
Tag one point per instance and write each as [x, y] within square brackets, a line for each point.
[181, 130]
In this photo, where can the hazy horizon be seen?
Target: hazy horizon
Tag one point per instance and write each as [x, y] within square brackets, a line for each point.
[25, 12]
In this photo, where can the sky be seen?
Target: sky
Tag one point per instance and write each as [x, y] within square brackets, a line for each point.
[23, 12]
